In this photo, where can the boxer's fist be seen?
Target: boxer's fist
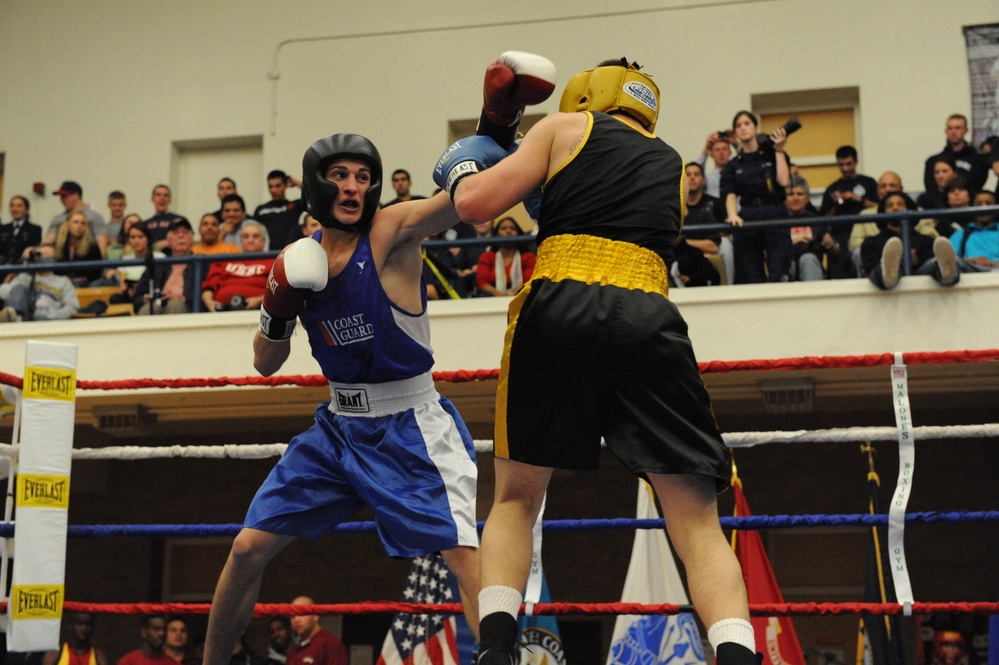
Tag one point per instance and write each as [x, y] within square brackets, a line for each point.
[512, 83]
[301, 268]
[466, 157]
[516, 80]
[306, 265]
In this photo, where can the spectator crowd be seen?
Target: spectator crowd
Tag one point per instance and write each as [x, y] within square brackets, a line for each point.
[169, 640]
[753, 179]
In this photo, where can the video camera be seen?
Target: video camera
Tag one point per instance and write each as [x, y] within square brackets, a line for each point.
[790, 127]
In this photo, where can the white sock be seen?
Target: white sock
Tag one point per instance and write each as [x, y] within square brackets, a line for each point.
[499, 598]
[739, 631]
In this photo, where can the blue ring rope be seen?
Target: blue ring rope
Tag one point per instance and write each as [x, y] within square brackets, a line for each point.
[752, 522]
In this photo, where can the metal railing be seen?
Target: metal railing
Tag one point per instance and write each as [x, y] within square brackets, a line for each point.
[905, 219]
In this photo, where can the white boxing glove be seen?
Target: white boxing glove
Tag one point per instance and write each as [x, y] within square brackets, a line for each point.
[300, 268]
[306, 265]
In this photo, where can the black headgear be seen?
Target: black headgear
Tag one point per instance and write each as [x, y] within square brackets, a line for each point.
[319, 194]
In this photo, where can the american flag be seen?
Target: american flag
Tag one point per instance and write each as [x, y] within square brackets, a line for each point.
[425, 639]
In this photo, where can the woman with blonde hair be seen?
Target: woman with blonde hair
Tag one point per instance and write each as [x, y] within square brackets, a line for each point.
[74, 242]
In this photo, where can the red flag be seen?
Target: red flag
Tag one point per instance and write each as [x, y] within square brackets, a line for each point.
[776, 638]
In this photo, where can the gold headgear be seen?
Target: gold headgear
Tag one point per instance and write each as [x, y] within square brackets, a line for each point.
[614, 88]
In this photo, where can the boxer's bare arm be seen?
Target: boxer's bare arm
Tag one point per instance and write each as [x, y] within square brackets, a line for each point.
[483, 196]
[396, 235]
[412, 221]
[268, 355]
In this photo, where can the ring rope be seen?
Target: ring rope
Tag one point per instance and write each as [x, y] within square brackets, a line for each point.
[460, 376]
[745, 523]
[553, 609]
[732, 440]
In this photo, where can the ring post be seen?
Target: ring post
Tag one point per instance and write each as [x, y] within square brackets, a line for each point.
[48, 403]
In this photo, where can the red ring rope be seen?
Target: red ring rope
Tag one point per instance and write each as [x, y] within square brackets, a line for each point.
[557, 609]
[462, 376]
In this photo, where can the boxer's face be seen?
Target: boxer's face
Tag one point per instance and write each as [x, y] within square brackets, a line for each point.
[353, 177]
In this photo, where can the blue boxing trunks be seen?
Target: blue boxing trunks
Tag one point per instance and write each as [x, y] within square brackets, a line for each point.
[397, 447]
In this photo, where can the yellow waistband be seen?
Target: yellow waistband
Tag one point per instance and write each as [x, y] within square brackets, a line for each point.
[594, 260]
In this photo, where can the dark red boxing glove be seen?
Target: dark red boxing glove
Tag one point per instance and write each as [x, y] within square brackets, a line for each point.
[516, 80]
[301, 268]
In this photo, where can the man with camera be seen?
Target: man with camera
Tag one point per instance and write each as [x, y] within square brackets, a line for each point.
[173, 285]
[41, 296]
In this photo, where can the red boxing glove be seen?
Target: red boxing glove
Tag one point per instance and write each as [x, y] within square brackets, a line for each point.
[301, 268]
[516, 80]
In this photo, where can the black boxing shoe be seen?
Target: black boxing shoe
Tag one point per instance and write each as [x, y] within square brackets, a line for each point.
[498, 640]
[498, 655]
[730, 653]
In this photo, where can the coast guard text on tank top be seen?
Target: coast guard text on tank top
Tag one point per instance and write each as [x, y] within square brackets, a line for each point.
[356, 333]
[621, 185]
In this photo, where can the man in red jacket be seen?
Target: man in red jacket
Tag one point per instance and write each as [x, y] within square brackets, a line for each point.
[313, 644]
[239, 284]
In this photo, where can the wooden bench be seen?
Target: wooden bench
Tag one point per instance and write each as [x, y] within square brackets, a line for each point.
[89, 294]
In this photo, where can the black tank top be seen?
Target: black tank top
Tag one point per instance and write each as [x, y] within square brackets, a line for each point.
[620, 185]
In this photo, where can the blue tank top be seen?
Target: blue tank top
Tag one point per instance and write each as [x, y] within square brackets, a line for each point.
[356, 333]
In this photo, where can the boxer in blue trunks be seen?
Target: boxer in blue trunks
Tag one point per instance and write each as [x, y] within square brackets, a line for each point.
[594, 348]
[386, 439]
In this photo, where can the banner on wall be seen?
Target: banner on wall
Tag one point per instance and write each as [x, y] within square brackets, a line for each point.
[983, 65]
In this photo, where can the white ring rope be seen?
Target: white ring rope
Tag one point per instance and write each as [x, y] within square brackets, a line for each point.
[732, 440]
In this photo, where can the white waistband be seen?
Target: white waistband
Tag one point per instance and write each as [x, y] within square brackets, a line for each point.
[381, 399]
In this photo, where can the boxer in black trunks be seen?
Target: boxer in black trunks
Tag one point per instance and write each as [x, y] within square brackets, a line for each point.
[595, 348]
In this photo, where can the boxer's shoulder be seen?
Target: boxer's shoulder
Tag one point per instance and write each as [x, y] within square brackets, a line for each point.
[561, 122]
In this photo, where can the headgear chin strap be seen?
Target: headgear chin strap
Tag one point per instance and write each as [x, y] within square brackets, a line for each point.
[614, 88]
[319, 194]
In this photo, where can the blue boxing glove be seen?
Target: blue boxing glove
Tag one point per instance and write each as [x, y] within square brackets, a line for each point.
[466, 157]
[533, 204]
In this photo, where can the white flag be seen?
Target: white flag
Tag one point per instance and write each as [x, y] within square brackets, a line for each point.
[653, 579]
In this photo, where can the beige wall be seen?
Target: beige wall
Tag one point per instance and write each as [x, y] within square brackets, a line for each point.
[99, 92]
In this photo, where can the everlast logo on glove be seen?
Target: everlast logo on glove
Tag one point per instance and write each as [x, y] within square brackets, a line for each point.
[351, 400]
[439, 169]
[459, 172]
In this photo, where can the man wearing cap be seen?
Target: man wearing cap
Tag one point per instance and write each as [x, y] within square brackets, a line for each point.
[174, 284]
[71, 195]
[161, 222]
